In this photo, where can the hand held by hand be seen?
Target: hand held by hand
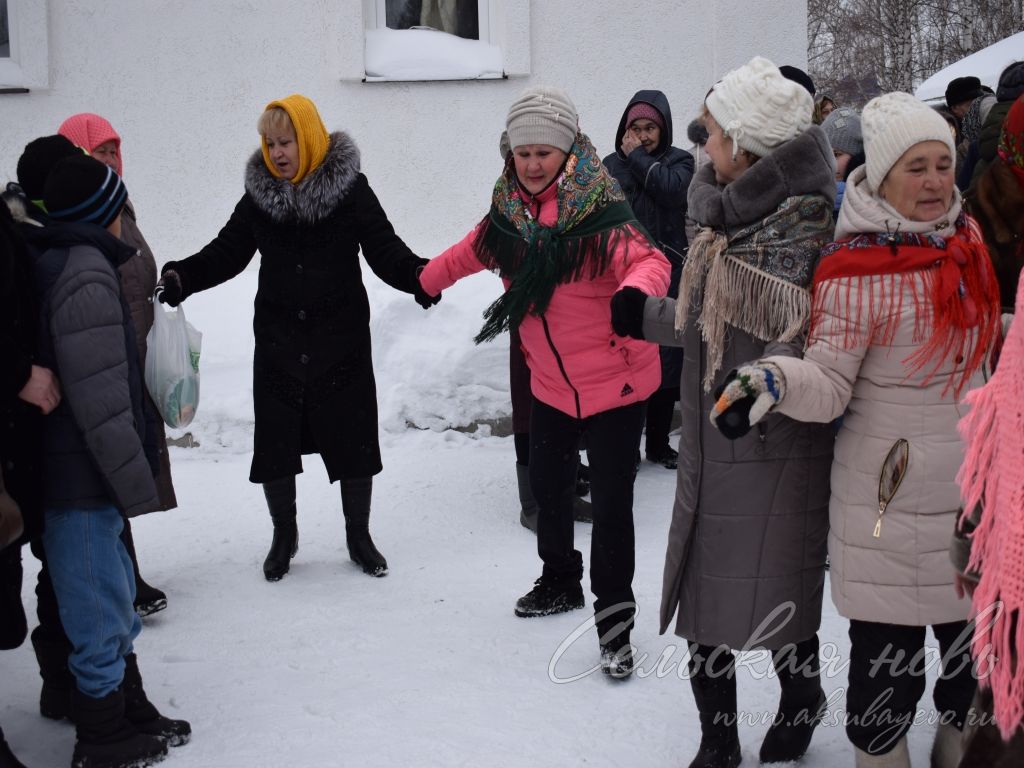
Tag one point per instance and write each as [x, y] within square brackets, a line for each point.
[745, 397]
[423, 298]
[628, 312]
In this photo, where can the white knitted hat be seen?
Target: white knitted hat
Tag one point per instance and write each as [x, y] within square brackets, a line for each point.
[758, 108]
[894, 122]
[541, 115]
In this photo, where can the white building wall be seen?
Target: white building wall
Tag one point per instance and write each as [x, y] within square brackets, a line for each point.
[184, 82]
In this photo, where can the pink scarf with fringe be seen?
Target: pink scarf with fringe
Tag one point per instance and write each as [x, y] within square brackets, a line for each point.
[992, 475]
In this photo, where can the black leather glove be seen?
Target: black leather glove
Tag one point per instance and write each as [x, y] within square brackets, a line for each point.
[423, 298]
[628, 312]
[168, 289]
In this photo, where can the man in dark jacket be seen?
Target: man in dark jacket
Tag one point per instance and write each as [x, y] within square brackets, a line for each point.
[655, 177]
[94, 464]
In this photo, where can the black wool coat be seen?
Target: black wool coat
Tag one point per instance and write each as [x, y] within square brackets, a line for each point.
[313, 384]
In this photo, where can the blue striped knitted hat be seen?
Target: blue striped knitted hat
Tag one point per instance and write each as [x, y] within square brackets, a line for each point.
[81, 189]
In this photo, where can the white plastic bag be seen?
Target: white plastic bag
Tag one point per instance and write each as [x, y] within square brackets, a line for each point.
[172, 365]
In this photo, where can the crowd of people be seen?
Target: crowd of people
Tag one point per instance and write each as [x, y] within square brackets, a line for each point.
[827, 292]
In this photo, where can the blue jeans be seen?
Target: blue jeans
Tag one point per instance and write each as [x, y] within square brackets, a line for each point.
[95, 586]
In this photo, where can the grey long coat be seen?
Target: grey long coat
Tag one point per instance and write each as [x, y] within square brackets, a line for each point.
[747, 544]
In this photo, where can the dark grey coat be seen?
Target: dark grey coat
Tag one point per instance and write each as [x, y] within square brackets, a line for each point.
[747, 543]
[93, 453]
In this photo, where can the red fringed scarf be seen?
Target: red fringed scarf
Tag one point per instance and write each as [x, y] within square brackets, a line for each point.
[956, 305]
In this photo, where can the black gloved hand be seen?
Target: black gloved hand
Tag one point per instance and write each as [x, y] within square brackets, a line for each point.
[628, 312]
[168, 289]
[423, 298]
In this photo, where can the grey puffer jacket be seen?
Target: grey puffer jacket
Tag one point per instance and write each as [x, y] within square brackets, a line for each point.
[746, 549]
[93, 441]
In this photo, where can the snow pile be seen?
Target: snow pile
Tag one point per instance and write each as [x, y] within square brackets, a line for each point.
[428, 54]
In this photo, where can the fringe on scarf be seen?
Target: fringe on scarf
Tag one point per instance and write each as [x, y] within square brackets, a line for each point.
[732, 292]
[992, 477]
[953, 310]
[536, 269]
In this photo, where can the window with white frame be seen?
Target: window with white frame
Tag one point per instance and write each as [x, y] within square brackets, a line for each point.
[467, 19]
[5, 31]
[432, 40]
[24, 48]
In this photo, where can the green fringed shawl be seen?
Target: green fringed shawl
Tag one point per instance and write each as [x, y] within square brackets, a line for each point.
[592, 217]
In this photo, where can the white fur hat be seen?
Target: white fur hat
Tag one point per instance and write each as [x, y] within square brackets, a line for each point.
[894, 122]
[758, 108]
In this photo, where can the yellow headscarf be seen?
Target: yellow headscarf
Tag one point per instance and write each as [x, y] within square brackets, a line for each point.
[310, 135]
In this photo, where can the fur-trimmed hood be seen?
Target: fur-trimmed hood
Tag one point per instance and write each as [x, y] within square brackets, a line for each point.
[316, 196]
[18, 204]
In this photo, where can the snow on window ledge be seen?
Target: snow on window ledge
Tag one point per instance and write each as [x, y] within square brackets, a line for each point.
[427, 54]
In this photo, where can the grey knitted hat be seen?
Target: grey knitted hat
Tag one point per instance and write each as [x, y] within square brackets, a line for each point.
[541, 115]
[842, 127]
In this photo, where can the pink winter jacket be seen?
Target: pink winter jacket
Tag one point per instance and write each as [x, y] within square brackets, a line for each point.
[578, 363]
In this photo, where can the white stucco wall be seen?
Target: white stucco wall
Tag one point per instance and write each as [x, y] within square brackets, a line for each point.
[184, 81]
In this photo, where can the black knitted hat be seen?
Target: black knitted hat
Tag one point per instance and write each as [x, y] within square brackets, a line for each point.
[798, 76]
[1011, 82]
[85, 190]
[962, 89]
[38, 159]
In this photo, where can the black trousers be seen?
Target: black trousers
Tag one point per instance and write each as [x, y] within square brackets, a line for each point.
[660, 408]
[612, 439]
[887, 680]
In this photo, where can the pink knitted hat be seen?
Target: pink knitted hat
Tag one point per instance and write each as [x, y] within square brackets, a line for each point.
[992, 475]
[644, 111]
[88, 131]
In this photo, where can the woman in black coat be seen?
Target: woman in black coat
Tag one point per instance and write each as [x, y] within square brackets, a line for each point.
[655, 177]
[309, 211]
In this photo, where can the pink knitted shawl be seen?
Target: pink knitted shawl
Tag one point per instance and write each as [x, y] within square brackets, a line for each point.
[993, 475]
[88, 131]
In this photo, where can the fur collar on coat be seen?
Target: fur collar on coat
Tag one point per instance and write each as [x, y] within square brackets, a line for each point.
[803, 166]
[315, 197]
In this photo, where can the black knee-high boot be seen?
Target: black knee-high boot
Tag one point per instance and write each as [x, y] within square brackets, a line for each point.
[801, 706]
[148, 599]
[355, 503]
[281, 501]
[714, 690]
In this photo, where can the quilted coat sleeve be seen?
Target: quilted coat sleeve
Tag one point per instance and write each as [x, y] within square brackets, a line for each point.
[86, 323]
[452, 265]
[819, 386]
[660, 321]
[639, 264]
[666, 180]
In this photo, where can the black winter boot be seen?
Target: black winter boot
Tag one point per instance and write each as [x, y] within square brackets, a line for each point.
[148, 599]
[355, 504]
[7, 758]
[548, 597]
[280, 496]
[141, 713]
[801, 707]
[616, 650]
[107, 740]
[716, 702]
[55, 699]
[527, 504]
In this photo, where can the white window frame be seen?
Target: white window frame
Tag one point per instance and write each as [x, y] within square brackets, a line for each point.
[29, 63]
[486, 27]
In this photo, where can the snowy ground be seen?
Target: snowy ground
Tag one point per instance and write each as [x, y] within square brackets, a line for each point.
[427, 667]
